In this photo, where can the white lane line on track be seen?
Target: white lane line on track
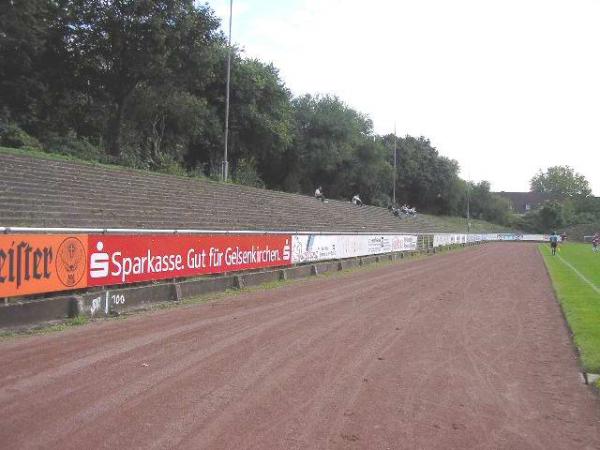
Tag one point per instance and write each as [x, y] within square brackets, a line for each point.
[580, 275]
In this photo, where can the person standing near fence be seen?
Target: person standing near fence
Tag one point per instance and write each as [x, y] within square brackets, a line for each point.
[553, 242]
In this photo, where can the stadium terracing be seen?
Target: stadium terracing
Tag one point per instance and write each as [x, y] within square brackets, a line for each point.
[49, 192]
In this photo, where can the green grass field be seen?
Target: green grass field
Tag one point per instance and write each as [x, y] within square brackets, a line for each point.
[578, 298]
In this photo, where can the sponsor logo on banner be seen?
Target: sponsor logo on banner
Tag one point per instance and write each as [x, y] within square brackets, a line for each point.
[379, 244]
[34, 263]
[70, 261]
[509, 237]
[309, 248]
[404, 243]
[130, 259]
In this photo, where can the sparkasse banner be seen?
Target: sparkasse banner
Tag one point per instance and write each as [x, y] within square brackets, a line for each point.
[115, 259]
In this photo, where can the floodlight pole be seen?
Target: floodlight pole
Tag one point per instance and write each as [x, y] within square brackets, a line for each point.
[395, 162]
[468, 207]
[225, 167]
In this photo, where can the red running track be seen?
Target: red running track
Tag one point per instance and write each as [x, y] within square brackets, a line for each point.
[462, 350]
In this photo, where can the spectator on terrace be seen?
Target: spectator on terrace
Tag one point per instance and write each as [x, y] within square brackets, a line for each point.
[408, 211]
[357, 201]
[319, 194]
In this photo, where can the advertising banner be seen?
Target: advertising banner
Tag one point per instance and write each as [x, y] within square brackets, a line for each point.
[37, 263]
[440, 240]
[509, 237]
[309, 248]
[538, 237]
[522, 237]
[117, 259]
[404, 243]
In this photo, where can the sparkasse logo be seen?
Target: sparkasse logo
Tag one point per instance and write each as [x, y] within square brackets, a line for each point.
[287, 250]
[99, 262]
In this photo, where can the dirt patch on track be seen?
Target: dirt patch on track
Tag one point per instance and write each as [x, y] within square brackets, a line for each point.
[465, 349]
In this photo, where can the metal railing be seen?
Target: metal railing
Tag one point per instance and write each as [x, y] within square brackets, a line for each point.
[72, 230]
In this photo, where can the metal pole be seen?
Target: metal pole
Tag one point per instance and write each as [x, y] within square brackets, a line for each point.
[395, 162]
[468, 207]
[225, 162]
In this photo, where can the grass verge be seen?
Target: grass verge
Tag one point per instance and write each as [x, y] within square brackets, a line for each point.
[579, 300]
[44, 329]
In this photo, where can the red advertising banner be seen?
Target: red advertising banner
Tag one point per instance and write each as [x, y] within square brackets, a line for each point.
[124, 259]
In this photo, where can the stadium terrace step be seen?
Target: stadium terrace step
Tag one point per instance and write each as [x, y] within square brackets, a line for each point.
[44, 192]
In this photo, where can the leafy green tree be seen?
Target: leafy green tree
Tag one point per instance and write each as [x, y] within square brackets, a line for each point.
[551, 215]
[561, 181]
[424, 178]
[260, 122]
[327, 137]
[486, 205]
[121, 45]
[31, 58]
[161, 125]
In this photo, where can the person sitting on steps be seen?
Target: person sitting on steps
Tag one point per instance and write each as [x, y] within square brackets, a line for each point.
[395, 211]
[319, 194]
[408, 211]
[357, 201]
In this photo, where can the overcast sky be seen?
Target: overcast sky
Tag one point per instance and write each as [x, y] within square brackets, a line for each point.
[505, 87]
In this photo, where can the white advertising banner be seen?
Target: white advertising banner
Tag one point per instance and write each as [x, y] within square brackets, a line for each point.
[537, 237]
[440, 240]
[522, 237]
[316, 247]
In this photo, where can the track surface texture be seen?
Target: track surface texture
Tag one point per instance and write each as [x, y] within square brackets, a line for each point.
[462, 350]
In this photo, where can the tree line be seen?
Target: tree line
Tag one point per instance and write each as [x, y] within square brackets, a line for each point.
[569, 202]
[142, 83]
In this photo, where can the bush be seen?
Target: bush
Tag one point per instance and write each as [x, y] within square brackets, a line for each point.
[246, 174]
[13, 136]
[74, 146]
[170, 167]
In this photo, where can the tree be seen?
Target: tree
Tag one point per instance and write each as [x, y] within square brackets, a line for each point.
[30, 57]
[561, 181]
[122, 45]
[551, 215]
[425, 179]
[325, 148]
[486, 205]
